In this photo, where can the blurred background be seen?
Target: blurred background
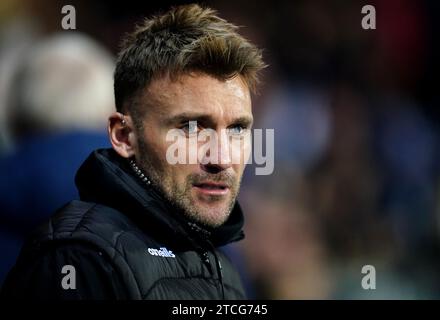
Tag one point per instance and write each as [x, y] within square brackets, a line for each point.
[356, 119]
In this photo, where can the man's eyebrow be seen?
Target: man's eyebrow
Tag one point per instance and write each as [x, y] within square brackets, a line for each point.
[205, 118]
[186, 116]
[244, 120]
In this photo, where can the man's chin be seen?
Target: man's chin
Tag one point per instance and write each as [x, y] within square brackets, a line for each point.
[212, 215]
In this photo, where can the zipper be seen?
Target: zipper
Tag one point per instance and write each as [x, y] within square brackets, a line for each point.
[205, 234]
[205, 256]
[219, 268]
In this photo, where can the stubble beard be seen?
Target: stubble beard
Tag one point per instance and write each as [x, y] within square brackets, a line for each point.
[180, 196]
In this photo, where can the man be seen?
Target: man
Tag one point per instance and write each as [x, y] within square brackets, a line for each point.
[146, 228]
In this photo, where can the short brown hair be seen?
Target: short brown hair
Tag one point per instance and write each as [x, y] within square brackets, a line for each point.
[185, 39]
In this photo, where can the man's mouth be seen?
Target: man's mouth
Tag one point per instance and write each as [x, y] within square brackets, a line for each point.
[212, 188]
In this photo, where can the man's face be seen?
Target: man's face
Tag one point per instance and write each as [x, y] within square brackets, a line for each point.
[205, 190]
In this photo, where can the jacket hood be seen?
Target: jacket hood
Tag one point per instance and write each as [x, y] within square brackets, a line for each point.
[108, 179]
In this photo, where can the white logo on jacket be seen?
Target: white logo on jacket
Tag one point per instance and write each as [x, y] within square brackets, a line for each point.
[162, 252]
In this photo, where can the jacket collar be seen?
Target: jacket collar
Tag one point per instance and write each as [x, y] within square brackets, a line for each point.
[108, 179]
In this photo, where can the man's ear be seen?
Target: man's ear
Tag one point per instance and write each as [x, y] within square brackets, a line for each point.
[122, 135]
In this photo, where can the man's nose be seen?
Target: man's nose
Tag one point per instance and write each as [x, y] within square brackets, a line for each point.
[217, 155]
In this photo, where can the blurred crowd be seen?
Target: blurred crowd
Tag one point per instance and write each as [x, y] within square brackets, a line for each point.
[356, 175]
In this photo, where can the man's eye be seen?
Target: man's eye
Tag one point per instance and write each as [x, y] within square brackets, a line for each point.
[190, 127]
[237, 130]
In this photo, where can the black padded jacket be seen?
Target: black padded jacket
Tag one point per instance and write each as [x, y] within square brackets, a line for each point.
[123, 241]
